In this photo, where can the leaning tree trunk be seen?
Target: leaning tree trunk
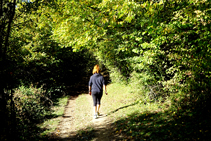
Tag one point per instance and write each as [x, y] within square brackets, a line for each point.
[7, 10]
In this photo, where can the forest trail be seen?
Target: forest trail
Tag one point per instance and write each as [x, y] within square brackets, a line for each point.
[67, 129]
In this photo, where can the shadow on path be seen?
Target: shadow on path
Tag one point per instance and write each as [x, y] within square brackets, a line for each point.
[123, 107]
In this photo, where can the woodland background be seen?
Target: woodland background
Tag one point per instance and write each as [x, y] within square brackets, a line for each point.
[160, 47]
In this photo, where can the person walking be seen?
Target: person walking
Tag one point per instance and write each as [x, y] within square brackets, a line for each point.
[96, 85]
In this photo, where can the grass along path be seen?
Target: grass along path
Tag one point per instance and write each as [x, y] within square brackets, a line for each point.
[50, 125]
[129, 118]
[133, 119]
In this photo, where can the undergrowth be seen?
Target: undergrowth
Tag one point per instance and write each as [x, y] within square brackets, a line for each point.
[135, 119]
[36, 114]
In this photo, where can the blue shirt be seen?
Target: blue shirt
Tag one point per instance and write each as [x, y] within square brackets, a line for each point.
[96, 82]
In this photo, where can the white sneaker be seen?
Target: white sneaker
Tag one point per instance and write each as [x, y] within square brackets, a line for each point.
[95, 116]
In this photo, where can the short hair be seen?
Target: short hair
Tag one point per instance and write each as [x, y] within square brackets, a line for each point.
[96, 69]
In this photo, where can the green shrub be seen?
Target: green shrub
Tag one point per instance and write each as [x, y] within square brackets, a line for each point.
[31, 103]
[31, 108]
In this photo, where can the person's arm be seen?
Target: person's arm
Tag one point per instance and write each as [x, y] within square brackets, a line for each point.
[105, 89]
[90, 84]
[90, 90]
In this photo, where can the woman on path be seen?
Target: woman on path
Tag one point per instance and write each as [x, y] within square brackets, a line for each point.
[96, 85]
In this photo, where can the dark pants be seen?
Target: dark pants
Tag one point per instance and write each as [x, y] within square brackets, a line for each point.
[96, 96]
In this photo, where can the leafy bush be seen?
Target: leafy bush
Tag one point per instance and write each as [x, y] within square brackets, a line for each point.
[31, 103]
[31, 107]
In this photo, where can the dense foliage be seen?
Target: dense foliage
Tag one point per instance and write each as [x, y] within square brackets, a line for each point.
[31, 107]
[161, 46]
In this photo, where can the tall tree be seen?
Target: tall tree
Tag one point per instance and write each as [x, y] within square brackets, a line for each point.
[7, 10]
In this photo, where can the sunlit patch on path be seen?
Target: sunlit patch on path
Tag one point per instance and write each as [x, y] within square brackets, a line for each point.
[101, 126]
[65, 128]
[72, 125]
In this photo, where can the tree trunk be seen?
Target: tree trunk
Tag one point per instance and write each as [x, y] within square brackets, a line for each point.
[7, 8]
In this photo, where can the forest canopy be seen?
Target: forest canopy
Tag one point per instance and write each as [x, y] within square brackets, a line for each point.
[148, 43]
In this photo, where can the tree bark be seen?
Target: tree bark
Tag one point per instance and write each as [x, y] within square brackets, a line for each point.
[7, 8]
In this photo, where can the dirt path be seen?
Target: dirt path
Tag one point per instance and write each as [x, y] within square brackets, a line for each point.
[66, 130]
[101, 126]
